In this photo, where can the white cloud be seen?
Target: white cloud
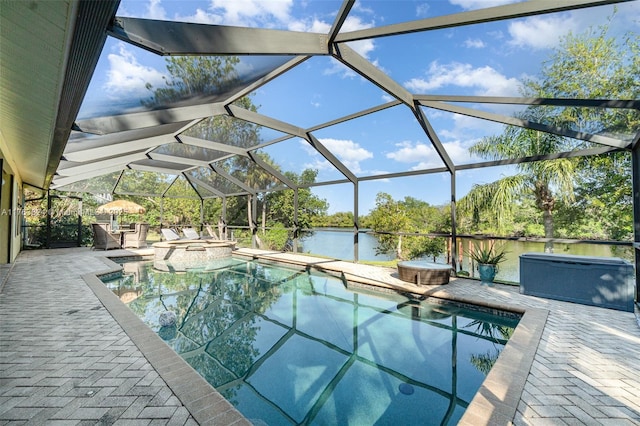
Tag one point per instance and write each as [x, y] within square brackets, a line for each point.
[126, 76]
[316, 100]
[541, 32]
[410, 152]
[496, 35]
[155, 10]
[252, 12]
[474, 43]
[319, 164]
[486, 80]
[422, 10]
[363, 47]
[458, 151]
[387, 97]
[246, 13]
[348, 152]
[424, 156]
[360, 7]
[272, 14]
[421, 155]
[480, 4]
[314, 26]
[338, 67]
[201, 17]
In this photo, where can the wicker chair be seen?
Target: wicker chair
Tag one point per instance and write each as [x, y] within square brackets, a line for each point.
[138, 238]
[103, 238]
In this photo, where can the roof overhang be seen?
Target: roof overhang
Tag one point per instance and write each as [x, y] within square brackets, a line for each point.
[62, 40]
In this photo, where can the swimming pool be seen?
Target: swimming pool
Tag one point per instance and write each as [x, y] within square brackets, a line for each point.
[295, 346]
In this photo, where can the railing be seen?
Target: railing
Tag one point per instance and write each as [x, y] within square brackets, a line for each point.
[57, 236]
[508, 270]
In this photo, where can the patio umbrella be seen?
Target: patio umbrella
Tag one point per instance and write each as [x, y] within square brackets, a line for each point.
[117, 207]
[121, 206]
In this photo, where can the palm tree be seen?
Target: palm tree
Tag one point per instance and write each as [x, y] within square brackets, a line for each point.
[546, 181]
[608, 70]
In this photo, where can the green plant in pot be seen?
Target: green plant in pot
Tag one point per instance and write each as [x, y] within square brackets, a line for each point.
[487, 259]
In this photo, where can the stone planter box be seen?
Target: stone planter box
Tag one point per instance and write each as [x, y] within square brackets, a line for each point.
[607, 282]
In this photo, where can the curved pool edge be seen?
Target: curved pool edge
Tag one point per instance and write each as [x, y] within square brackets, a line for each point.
[192, 251]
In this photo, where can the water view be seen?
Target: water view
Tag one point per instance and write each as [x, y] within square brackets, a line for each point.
[336, 243]
[289, 346]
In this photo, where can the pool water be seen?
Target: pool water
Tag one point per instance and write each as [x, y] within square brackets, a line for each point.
[295, 346]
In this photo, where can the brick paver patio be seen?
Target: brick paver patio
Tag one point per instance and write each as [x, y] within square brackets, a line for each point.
[65, 359]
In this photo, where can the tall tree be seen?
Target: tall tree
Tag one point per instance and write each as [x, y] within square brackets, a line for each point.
[310, 206]
[387, 218]
[545, 180]
[391, 218]
[591, 66]
[596, 66]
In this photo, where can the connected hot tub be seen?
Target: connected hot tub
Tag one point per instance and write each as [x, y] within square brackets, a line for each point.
[192, 252]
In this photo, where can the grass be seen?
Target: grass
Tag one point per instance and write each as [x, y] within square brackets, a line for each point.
[385, 263]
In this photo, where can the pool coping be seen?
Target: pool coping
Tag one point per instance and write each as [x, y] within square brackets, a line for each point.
[495, 402]
[205, 404]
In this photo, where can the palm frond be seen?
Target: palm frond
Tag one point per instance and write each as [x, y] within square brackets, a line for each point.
[499, 197]
[498, 147]
[557, 174]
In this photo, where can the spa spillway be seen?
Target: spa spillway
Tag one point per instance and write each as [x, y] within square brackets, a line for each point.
[191, 252]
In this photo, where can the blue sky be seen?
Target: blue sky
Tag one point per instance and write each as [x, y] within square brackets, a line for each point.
[486, 59]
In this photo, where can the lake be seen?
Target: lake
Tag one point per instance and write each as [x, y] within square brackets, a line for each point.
[338, 243]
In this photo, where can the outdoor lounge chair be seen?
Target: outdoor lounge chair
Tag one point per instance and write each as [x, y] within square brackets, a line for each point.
[191, 233]
[222, 231]
[169, 234]
[211, 232]
[138, 238]
[103, 238]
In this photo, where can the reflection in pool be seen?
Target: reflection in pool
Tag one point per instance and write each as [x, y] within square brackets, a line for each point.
[295, 346]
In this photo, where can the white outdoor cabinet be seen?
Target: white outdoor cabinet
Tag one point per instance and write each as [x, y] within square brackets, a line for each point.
[607, 282]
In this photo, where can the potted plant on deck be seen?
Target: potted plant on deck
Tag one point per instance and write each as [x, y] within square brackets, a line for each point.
[487, 259]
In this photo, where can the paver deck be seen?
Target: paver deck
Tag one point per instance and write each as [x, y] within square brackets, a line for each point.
[70, 355]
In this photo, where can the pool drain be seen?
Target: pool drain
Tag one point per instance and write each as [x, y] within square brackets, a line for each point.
[406, 388]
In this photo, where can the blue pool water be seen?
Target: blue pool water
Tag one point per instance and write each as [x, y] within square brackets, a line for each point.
[293, 346]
